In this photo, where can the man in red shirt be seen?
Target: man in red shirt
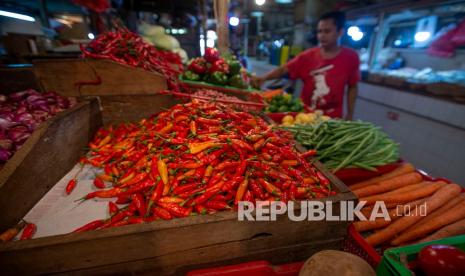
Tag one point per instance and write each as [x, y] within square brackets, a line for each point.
[325, 70]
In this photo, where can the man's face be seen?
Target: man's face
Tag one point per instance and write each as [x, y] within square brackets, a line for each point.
[328, 34]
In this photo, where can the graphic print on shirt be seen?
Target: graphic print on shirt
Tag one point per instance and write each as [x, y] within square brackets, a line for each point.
[321, 87]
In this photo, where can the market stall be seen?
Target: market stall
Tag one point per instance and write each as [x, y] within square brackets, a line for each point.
[132, 159]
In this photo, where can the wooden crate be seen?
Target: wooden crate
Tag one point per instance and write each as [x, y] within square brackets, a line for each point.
[91, 77]
[161, 247]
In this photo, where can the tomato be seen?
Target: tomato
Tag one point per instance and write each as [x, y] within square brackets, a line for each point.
[442, 260]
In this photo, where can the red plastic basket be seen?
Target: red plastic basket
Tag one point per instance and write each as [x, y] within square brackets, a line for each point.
[256, 268]
[278, 116]
[356, 244]
[354, 175]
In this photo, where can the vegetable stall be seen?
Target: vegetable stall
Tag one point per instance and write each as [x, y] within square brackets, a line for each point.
[150, 176]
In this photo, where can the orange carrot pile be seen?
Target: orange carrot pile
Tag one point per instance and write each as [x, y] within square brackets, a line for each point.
[419, 210]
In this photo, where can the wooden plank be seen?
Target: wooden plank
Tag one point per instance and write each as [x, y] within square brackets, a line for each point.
[132, 108]
[49, 153]
[198, 258]
[158, 239]
[63, 76]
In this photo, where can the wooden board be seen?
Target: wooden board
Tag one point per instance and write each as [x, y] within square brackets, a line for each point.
[64, 75]
[167, 247]
[49, 153]
[132, 108]
[164, 238]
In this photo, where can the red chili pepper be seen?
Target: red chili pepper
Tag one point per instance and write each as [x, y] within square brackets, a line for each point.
[28, 231]
[216, 205]
[71, 185]
[116, 218]
[241, 191]
[256, 190]
[175, 209]
[118, 223]
[242, 144]
[99, 183]
[157, 193]
[105, 193]
[185, 188]
[90, 226]
[122, 199]
[139, 187]
[308, 153]
[191, 193]
[248, 196]
[162, 213]
[270, 187]
[227, 164]
[323, 180]
[136, 179]
[112, 208]
[167, 199]
[259, 144]
[210, 192]
[139, 201]
[200, 209]
[208, 121]
[292, 191]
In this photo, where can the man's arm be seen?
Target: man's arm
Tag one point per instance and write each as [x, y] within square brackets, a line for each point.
[274, 74]
[352, 95]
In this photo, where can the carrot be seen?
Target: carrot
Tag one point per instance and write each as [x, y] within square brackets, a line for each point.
[362, 226]
[450, 230]
[366, 211]
[402, 169]
[394, 214]
[451, 204]
[450, 216]
[440, 197]
[427, 189]
[390, 184]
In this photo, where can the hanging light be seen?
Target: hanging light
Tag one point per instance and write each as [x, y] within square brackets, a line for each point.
[233, 21]
[260, 2]
[17, 16]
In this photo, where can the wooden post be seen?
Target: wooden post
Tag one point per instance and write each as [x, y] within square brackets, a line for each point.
[222, 30]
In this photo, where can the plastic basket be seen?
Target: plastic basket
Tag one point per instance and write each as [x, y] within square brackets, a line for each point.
[256, 268]
[355, 244]
[354, 175]
[391, 263]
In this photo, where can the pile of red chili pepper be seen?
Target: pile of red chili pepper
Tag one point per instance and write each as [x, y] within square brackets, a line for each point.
[128, 48]
[196, 158]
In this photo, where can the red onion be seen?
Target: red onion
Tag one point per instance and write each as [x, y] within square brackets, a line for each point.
[22, 117]
[6, 144]
[4, 155]
[5, 123]
[22, 112]
[18, 137]
[19, 95]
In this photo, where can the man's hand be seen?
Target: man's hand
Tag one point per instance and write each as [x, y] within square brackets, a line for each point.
[257, 82]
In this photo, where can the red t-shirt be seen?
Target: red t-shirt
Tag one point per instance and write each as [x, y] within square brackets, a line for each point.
[325, 80]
